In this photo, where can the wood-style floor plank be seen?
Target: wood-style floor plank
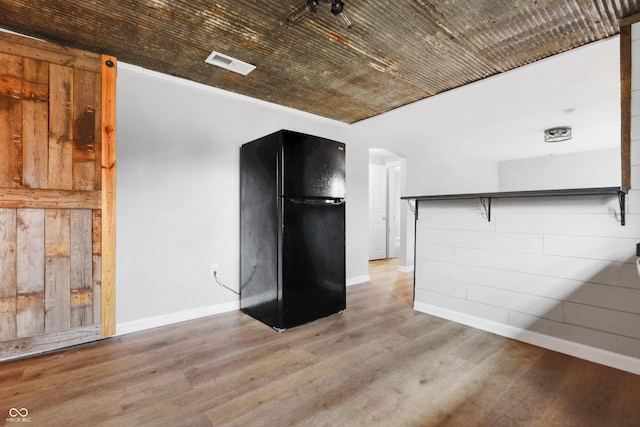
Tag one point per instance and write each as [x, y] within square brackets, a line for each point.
[378, 363]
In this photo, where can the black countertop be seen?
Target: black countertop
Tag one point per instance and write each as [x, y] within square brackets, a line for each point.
[532, 193]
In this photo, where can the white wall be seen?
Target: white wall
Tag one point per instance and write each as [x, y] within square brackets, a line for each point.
[596, 168]
[556, 272]
[440, 171]
[428, 171]
[178, 194]
[178, 191]
[357, 250]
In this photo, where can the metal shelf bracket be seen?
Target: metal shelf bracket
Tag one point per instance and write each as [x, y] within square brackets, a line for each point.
[486, 206]
[621, 199]
[413, 208]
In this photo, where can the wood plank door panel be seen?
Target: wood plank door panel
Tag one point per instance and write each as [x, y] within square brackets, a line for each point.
[8, 288]
[54, 159]
[30, 267]
[10, 121]
[35, 113]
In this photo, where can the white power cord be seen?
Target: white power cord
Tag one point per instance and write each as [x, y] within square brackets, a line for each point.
[215, 276]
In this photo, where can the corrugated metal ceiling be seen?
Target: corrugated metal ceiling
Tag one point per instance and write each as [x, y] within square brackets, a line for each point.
[395, 53]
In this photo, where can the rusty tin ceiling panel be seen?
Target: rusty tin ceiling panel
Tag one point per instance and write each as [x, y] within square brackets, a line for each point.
[395, 53]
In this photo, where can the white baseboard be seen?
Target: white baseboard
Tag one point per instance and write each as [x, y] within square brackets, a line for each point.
[581, 351]
[195, 313]
[176, 317]
[405, 268]
[358, 279]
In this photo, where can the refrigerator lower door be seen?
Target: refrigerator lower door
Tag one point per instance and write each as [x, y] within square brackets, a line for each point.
[313, 260]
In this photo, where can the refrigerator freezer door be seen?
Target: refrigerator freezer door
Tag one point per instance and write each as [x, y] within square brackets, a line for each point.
[313, 260]
[312, 166]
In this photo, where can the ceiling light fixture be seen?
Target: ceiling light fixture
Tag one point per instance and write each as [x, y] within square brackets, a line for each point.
[311, 6]
[557, 134]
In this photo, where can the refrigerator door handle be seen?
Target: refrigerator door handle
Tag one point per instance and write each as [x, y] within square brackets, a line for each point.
[316, 201]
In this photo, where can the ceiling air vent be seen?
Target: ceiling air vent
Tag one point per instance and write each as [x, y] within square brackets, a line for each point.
[224, 61]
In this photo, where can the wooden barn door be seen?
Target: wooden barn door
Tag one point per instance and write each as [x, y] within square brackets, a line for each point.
[57, 182]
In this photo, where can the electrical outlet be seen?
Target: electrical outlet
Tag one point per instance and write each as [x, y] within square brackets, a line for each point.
[215, 268]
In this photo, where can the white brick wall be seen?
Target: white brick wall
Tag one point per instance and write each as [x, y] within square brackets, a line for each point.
[557, 271]
[559, 267]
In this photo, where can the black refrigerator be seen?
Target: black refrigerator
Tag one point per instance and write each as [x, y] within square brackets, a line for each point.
[292, 228]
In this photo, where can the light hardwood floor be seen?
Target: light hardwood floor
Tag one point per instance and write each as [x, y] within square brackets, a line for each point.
[378, 363]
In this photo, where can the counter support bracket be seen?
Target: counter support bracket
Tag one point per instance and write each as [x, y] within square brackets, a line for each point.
[486, 206]
[622, 199]
[413, 208]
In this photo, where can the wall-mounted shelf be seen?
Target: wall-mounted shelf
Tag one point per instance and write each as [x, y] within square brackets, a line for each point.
[485, 198]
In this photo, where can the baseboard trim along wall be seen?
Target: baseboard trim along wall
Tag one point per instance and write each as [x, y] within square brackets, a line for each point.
[581, 351]
[176, 317]
[195, 313]
[358, 279]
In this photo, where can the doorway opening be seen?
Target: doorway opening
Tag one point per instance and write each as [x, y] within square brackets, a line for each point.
[387, 214]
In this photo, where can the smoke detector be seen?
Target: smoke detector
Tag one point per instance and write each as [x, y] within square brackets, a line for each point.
[557, 134]
[225, 61]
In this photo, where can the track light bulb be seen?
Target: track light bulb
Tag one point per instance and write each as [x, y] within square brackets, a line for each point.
[297, 14]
